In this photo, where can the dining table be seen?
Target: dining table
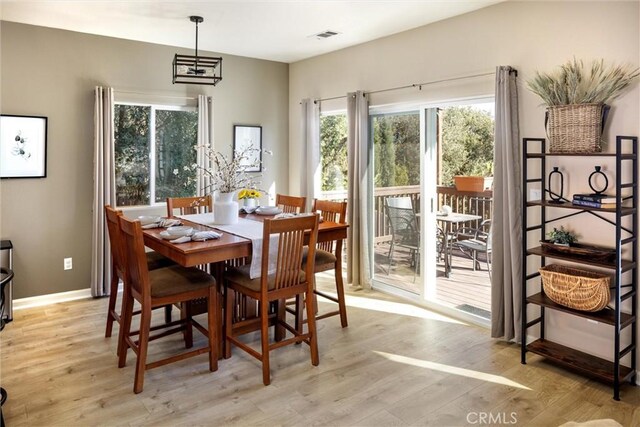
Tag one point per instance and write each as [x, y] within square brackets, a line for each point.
[447, 222]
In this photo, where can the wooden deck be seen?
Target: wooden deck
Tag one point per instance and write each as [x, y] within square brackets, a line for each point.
[464, 289]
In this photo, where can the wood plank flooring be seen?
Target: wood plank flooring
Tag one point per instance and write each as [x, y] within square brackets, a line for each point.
[395, 365]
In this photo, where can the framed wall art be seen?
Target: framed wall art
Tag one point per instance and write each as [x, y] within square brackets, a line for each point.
[23, 146]
[248, 140]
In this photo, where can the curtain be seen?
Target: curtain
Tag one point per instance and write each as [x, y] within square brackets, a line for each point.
[506, 230]
[359, 186]
[104, 190]
[205, 132]
[311, 151]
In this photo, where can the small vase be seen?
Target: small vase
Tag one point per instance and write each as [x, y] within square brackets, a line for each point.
[225, 209]
[249, 203]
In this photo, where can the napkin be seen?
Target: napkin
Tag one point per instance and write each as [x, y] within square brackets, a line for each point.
[199, 236]
[163, 223]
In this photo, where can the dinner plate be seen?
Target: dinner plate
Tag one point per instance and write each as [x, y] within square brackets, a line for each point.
[149, 219]
[179, 231]
[268, 210]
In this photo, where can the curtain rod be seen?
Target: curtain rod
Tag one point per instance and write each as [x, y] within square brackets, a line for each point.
[154, 95]
[418, 85]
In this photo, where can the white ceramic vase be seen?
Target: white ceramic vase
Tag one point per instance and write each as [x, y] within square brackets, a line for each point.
[250, 203]
[225, 209]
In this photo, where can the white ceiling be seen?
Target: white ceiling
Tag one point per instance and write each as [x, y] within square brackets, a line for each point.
[266, 29]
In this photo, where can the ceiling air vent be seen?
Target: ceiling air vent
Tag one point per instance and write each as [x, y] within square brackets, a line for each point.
[326, 34]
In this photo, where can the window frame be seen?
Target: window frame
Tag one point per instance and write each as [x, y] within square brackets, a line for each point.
[152, 147]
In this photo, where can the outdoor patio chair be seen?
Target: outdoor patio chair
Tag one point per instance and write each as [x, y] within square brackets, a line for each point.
[472, 241]
[405, 233]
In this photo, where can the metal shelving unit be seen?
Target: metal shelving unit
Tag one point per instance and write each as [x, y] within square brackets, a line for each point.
[625, 237]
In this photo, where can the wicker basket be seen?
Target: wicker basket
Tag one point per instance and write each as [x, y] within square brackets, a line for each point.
[576, 128]
[576, 288]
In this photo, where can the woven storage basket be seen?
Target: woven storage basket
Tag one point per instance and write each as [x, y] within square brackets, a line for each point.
[576, 128]
[576, 288]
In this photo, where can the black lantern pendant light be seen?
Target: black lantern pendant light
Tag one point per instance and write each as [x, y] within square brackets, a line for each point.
[194, 69]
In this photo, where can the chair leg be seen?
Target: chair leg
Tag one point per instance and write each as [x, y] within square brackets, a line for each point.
[264, 338]
[390, 257]
[229, 296]
[185, 314]
[299, 318]
[167, 313]
[125, 327]
[143, 343]
[311, 325]
[212, 317]
[113, 295]
[342, 306]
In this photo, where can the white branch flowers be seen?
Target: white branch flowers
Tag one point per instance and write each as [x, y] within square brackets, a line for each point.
[229, 175]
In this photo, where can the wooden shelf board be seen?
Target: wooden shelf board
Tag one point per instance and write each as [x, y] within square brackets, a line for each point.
[578, 360]
[568, 205]
[540, 251]
[606, 316]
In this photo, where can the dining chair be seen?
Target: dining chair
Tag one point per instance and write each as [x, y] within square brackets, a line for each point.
[291, 204]
[471, 241]
[328, 257]
[6, 275]
[288, 281]
[158, 288]
[188, 205]
[154, 261]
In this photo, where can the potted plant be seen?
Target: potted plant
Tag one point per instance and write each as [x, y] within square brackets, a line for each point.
[562, 237]
[250, 197]
[576, 99]
[476, 183]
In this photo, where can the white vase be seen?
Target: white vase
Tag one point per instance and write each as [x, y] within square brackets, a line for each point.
[249, 203]
[225, 209]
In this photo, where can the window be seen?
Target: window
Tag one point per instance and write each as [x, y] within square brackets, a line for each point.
[333, 154]
[150, 143]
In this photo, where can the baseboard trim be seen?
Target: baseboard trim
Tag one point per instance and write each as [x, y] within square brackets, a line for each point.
[42, 300]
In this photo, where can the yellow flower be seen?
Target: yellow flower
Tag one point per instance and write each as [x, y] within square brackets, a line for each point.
[242, 194]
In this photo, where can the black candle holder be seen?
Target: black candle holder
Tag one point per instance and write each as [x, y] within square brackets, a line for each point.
[594, 174]
[556, 196]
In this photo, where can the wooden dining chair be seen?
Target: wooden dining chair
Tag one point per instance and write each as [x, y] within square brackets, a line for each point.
[329, 257]
[288, 281]
[291, 204]
[154, 261]
[159, 288]
[188, 205]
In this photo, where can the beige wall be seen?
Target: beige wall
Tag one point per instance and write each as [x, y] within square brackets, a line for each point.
[527, 35]
[49, 72]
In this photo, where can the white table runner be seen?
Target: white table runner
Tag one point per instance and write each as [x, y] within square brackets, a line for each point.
[248, 229]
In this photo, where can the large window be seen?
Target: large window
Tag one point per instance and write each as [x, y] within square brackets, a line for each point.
[150, 143]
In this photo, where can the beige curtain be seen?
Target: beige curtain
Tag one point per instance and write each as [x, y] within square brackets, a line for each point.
[104, 190]
[506, 230]
[359, 183]
[205, 139]
[311, 184]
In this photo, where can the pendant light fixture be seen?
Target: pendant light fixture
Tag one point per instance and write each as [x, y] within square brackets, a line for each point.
[194, 69]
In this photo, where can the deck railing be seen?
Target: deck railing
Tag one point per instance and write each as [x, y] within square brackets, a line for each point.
[468, 202]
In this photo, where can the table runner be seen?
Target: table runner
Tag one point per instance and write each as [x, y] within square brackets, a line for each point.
[248, 229]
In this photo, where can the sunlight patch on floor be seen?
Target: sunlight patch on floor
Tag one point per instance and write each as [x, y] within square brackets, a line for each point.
[448, 369]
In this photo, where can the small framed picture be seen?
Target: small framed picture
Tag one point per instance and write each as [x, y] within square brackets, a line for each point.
[247, 140]
[23, 146]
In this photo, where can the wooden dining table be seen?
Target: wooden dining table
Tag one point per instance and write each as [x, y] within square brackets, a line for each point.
[227, 247]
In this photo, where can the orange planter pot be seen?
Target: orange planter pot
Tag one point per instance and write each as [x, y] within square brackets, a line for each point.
[473, 183]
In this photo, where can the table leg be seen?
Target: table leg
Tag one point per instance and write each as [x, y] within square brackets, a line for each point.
[447, 250]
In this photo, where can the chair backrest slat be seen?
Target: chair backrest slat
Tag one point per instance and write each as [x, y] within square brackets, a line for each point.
[188, 205]
[136, 263]
[333, 212]
[291, 204]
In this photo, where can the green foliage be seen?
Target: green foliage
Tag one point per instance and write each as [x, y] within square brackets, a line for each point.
[396, 145]
[333, 152]
[562, 236]
[132, 163]
[467, 143]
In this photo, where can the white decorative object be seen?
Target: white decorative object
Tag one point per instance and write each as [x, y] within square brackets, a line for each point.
[446, 210]
[250, 203]
[225, 209]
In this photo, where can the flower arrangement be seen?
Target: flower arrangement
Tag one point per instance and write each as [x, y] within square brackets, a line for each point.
[573, 83]
[249, 193]
[228, 175]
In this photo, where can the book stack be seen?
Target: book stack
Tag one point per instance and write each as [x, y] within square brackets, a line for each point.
[602, 201]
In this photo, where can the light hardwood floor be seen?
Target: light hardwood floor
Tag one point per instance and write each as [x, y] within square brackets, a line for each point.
[396, 364]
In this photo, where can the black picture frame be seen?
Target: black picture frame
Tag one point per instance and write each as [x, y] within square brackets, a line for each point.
[248, 136]
[23, 146]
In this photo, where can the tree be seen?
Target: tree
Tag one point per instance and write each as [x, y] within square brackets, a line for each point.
[333, 152]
